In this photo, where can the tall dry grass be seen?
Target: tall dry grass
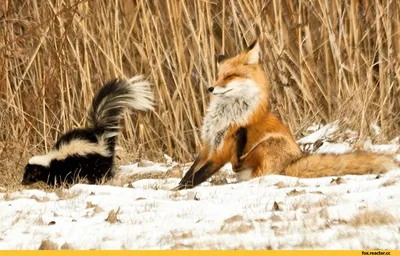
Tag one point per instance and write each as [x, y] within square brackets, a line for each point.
[325, 60]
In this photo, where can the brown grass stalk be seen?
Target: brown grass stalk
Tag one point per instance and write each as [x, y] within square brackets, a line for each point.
[326, 60]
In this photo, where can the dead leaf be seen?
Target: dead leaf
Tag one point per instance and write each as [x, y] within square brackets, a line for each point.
[90, 205]
[97, 209]
[276, 207]
[66, 246]
[316, 192]
[337, 181]
[280, 184]
[275, 218]
[48, 245]
[234, 218]
[245, 227]
[113, 216]
[295, 192]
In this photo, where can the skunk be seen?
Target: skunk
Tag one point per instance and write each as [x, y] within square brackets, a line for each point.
[89, 152]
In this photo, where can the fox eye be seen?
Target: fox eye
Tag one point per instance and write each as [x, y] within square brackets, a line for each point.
[230, 76]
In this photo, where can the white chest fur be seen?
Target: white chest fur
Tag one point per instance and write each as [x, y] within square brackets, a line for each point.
[227, 110]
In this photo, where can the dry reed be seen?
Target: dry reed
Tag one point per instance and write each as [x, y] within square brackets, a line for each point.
[326, 60]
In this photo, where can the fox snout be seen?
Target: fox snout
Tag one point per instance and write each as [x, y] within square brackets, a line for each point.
[210, 89]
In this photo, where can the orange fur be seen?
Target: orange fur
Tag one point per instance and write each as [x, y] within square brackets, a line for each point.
[270, 147]
[336, 165]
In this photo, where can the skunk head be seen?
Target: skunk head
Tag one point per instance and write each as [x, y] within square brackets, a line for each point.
[34, 173]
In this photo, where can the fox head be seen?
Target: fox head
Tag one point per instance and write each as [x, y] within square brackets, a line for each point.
[241, 75]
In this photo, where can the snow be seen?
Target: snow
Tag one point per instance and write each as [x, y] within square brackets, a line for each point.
[324, 132]
[334, 148]
[271, 212]
[135, 169]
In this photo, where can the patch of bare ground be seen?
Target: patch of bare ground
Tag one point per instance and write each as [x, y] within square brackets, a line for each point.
[372, 218]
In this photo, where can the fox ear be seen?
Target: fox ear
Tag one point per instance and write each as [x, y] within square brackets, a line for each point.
[253, 53]
[221, 58]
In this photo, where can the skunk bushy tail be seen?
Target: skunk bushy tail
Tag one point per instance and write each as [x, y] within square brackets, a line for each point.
[113, 98]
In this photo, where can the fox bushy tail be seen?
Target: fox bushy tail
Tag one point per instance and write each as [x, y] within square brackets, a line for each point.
[113, 98]
[336, 165]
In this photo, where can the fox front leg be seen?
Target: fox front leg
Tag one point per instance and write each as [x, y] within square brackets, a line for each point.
[191, 179]
[188, 175]
[240, 142]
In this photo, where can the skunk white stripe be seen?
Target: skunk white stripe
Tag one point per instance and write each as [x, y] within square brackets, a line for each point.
[42, 160]
[142, 94]
[75, 147]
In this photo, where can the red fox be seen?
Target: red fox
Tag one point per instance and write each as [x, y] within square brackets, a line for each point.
[239, 128]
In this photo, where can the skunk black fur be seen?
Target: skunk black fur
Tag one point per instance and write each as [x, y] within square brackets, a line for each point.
[89, 152]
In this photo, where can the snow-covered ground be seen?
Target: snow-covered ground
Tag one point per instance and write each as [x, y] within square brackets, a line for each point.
[272, 212]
